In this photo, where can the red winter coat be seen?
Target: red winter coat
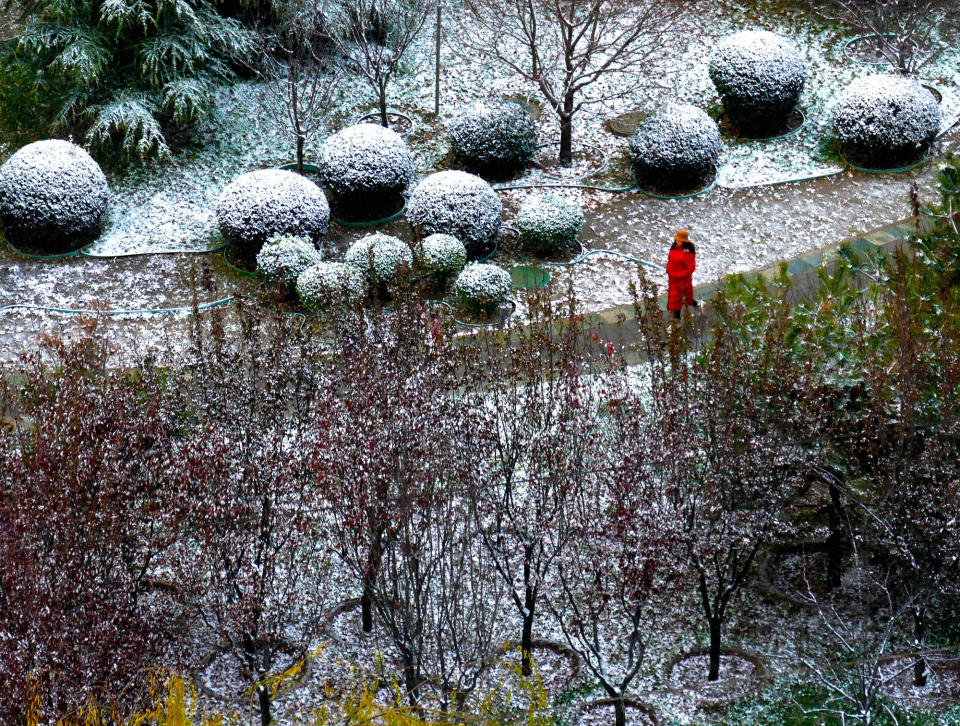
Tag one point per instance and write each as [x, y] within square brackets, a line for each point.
[680, 267]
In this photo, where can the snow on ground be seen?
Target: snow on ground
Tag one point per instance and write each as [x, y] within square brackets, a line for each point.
[737, 225]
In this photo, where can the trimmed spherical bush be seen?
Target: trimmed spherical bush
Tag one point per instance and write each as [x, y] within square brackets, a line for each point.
[493, 137]
[442, 256]
[886, 121]
[53, 196]
[676, 149]
[380, 257]
[759, 76]
[482, 287]
[547, 223]
[263, 204]
[286, 257]
[365, 161]
[329, 283]
[459, 204]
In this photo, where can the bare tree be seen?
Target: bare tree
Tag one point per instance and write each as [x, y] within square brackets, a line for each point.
[626, 555]
[303, 82]
[565, 48]
[375, 35]
[390, 428]
[906, 33]
[441, 603]
[256, 565]
[544, 440]
[853, 655]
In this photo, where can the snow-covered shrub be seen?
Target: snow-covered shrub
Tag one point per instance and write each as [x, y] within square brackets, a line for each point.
[379, 257]
[365, 160]
[493, 137]
[442, 256]
[327, 283]
[263, 204]
[458, 204]
[760, 76]
[287, 256]
[547, 223]
[885, 121]
[675, 149]
[482, 286]
[52, 196]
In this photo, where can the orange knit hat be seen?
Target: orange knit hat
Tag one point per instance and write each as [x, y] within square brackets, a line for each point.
[682, 236]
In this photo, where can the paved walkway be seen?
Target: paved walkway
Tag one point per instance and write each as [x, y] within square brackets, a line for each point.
[618, 324]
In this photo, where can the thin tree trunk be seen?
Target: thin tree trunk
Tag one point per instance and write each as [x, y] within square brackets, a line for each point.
[384, 119]
[566, 132]
[366, 608]
[263, 694]
[300, 143]
[835, 548]
[620, 711]
[526, 638]
[919, 631]
[529, 606]
[715, 638]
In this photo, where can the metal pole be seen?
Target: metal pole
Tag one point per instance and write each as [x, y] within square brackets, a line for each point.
[436, 87]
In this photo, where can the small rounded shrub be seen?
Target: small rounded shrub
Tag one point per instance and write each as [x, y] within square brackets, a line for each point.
[482, 287]
[547, 223]
[286, 257]
[493, 137]
[886, 121]
[328, 283]
[262, 204]
[53, 196]
[365, 161]
[380, 258]
[676, 149]
[459, 204]
[442, 256]
[759, 76]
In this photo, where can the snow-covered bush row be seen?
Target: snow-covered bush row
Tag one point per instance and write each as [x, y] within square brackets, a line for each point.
[760, 76]
[547, 222]
[493, 137]
[262, 204]
[885, 121]
[328, 283]
[53, 196]
[379, 257]
[676, 149]
[366, 159]
[441, 256]
[458, 204]
[287, 256]
[482, 286]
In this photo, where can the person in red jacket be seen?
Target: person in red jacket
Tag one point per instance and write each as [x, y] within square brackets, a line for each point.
[680, 266]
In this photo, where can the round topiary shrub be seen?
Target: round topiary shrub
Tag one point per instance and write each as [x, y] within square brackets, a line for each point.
[263, 204]
[547, 223]
[328, 283]
[286, 257]
[459, 204]
[53, 196]
[491, 137]
[759, 76]
[380, 257]
[482, 287]
[442, 256]
[676, 149]
[366, 167]
[886, 121]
